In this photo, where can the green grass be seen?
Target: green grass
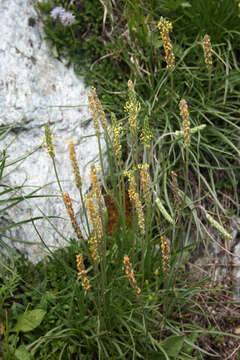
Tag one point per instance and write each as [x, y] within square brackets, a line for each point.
[45, 312]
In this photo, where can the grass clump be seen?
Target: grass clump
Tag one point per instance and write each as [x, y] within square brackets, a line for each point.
[172, 50]
[125, 287]
[119, 291]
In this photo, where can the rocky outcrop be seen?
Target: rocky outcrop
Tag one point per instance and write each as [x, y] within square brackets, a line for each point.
[34, 89]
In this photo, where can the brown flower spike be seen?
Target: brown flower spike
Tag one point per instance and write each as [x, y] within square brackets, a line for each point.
[82, 274]
[73, 158]
[68, 204]
[96, 110]
[130, 274]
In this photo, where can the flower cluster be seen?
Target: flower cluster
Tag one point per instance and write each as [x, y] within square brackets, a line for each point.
[82, 274]
[165, 26]
[130, 274]
[207, 48]
[185, 123]
[65, 17]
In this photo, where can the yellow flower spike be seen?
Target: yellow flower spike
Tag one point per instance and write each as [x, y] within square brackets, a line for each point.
[96, 188]
[130, 274]
[146, 135]
[73, 158]
[82, 274]
[134, 197]
[94, 248]
[186, 122]
[165, 254]
[145, 182]
[96, 111]
[68, 204]
[165, 27]
[95, 217]
[49, 141]
[207, 48]
[116, 134]
[132, 107]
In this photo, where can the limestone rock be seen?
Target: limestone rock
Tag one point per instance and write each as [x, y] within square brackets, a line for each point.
[34, 89]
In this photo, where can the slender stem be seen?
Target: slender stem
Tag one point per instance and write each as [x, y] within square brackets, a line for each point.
[57, 177]
[209, 83]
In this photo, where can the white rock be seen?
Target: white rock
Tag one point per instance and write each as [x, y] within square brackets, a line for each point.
[33, 89]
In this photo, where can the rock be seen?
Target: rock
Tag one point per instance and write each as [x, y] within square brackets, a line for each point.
[35, 89]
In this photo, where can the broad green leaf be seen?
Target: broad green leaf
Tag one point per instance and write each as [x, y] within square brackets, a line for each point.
[22, 354]
[172, 345]
[29, 320]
